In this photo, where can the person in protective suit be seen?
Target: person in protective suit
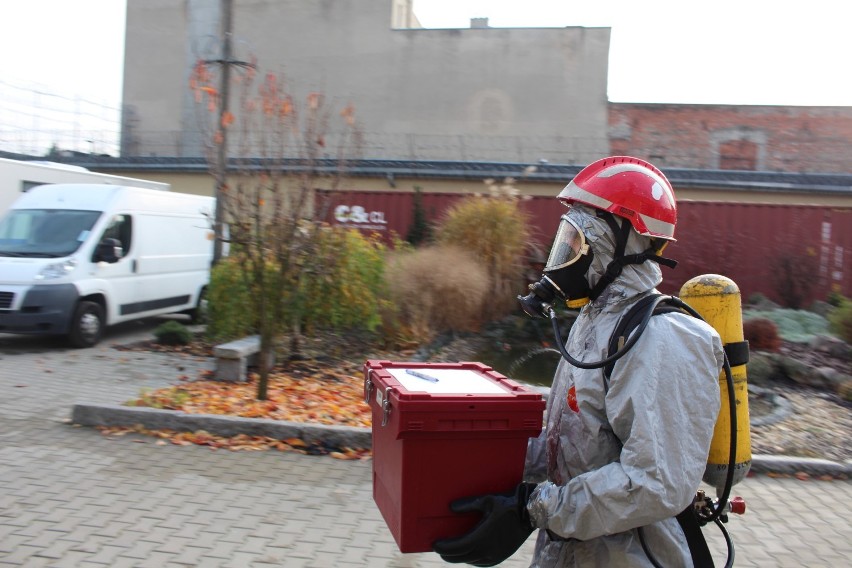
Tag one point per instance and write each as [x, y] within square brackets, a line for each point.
[623, 451]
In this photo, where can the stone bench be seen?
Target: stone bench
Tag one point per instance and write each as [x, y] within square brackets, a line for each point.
[233, 358]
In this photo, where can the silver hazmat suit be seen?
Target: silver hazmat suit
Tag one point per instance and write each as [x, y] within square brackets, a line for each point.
[612, 460]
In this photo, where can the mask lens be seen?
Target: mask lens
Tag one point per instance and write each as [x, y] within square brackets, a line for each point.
[569, 245]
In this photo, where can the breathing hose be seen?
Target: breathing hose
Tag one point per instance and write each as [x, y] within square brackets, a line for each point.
[631, 341]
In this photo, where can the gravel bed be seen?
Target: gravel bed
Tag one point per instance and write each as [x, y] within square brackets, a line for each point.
[818, 425]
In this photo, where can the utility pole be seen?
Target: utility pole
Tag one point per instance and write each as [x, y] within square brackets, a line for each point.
[226, 7]
[221, 166]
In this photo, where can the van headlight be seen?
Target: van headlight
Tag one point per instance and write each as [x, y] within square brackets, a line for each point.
[57, 270]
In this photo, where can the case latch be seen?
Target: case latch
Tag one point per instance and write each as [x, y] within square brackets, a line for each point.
[368, 386]
[384, 402]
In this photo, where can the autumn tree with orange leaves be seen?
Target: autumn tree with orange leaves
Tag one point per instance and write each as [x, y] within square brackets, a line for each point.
[281, 152]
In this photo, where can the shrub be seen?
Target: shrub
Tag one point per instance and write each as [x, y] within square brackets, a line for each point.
[342, 285]
[798, 326]
[759, 301]
[229, 314]
[836, 299]
[761, 333]
[761, 369]
[434, 289]
[172, 333]
[756, 298]
[840, 321]
[792, 277]
[495, 231]
[420, 231]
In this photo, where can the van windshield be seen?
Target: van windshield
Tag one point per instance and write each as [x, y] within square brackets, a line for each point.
[44, 233]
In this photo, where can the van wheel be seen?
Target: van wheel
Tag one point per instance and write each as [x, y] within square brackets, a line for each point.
[198, 314]
[87, 325]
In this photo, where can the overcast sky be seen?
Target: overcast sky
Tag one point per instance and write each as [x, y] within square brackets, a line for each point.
[787, 52]
[667, 51]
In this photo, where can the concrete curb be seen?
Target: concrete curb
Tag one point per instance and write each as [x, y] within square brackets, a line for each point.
[792, 465]
[347, 436]
[157, 419]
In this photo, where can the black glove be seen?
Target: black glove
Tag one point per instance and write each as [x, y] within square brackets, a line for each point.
[504, 527]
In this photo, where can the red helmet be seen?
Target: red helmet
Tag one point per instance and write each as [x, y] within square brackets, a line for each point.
[630, 188]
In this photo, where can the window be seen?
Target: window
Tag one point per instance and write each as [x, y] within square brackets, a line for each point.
[738, 155]
[120, 228]
[45, 232]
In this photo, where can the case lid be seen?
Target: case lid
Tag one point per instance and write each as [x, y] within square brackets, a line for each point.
[447, 381]
[413, 383]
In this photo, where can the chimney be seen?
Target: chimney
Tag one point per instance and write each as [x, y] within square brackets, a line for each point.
[478, 23]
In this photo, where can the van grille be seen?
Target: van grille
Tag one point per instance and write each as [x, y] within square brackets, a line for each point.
[6, 300]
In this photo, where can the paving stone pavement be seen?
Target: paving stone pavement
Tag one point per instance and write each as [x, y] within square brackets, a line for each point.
[71, 497]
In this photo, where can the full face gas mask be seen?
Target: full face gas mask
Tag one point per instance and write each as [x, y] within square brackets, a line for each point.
[564, 275]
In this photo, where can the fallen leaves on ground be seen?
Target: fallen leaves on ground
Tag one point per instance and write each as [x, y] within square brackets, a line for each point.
[297, 392]
[241, 442]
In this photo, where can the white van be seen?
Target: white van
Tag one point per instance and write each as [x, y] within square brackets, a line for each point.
[75, 258]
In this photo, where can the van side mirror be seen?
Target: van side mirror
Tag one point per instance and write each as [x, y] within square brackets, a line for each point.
[109, 250]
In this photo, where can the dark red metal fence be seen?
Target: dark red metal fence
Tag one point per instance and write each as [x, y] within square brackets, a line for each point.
[763, 248]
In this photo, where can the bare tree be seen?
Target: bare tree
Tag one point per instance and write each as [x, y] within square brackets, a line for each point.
[275, 191]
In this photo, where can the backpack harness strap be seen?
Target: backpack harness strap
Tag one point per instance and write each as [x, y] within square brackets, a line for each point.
[698, 549]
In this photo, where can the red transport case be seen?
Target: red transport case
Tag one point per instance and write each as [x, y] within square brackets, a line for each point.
[434, 442]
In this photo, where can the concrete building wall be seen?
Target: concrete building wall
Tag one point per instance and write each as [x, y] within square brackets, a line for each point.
[155, 78]
[761, 138]
[460, 94]
[403, 16]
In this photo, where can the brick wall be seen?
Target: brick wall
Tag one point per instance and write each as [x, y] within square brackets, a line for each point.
[766, 138]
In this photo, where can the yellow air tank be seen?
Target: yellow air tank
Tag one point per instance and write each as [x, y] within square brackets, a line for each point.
[717, 299]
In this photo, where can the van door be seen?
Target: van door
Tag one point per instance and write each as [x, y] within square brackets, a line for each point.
[115, 264]
[173, 259]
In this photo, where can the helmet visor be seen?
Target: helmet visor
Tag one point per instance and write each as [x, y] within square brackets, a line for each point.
[569, 245]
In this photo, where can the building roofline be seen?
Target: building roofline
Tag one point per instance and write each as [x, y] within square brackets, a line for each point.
[761, 181]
